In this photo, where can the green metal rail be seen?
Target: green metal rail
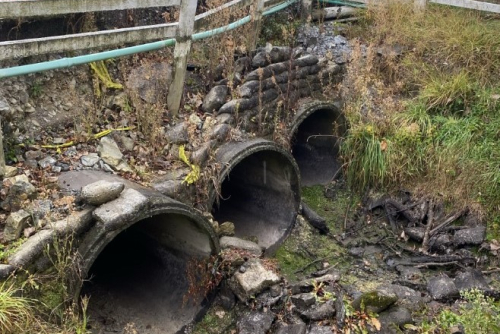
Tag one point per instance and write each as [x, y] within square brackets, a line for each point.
[85, 59]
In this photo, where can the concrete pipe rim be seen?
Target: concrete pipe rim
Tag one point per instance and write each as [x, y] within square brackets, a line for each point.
[318, 157]
[231, 154]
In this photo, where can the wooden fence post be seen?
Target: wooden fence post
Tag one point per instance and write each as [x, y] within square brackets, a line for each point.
[306, 9]
[2, 156]
[181, 52]
[257, 23]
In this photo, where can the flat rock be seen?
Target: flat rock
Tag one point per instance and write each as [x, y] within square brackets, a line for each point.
[316, 329]
[10, 171]
[303, 300]
[101, 192]
[470, 236]
[307, 285]
[121, 210]
[177, 134]
[109, 151]
[319, 311]
[375, 301]
[233, 242]
[394, 317]
[90, 159]
[46, 162]
[253, 280]
[442, 288]
[292, 329]
[409, 273]
[18, 193]
[407, 297]
[255, 323]
[471, 279]
[15, 224]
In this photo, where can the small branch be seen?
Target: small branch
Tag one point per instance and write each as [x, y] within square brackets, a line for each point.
[310, 264]
[436, 264]
[430, 222]
[448, 221]
[491, 271]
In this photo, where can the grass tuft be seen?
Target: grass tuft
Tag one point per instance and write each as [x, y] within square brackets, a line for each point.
[16, 312]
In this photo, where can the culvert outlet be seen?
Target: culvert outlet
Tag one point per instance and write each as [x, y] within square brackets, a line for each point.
[315, 140]
[259, 191]
[137, 257]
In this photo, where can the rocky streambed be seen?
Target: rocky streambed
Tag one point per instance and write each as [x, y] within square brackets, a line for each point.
[359, 276]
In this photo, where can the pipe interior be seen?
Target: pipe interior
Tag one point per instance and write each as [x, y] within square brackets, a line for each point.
[315, 146]
[139, 279]
[260, 196]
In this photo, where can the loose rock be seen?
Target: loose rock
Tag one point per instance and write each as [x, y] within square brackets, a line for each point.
[101, 192]
[109, 151]
[226, 229]
[15, 224]
[470, 236]
[215, 99]
[254, 280]
[471, 279]
[319, 312]
[255, 323]
[442, 288]
[90, 159]
[292, 329]
[375, 301]
[232, 242]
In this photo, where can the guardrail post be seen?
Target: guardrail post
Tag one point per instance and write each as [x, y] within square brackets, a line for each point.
[257, 22]
[306, 9]
[181, 52]
[2, 156]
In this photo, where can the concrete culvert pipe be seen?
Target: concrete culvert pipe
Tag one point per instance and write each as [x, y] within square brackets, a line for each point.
[137, 257]
[259, 191]
[315, 140]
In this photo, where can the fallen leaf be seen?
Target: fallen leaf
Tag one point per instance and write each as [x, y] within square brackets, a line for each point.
[376, 323]
[383, 145]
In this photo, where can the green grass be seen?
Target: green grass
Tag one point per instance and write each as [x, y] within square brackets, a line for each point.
[306, 245]
[429, 119]
[16, 312]
[477, 314]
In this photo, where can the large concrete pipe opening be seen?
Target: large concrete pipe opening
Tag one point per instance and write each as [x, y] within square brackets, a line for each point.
[141, 266]
[259, 192]
[316, 134]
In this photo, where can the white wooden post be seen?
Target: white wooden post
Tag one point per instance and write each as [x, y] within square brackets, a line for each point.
[2, 156]
[181, 52]
[306, 9]
[257, 22]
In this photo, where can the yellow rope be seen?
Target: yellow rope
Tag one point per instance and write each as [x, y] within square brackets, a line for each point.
[72, 143]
